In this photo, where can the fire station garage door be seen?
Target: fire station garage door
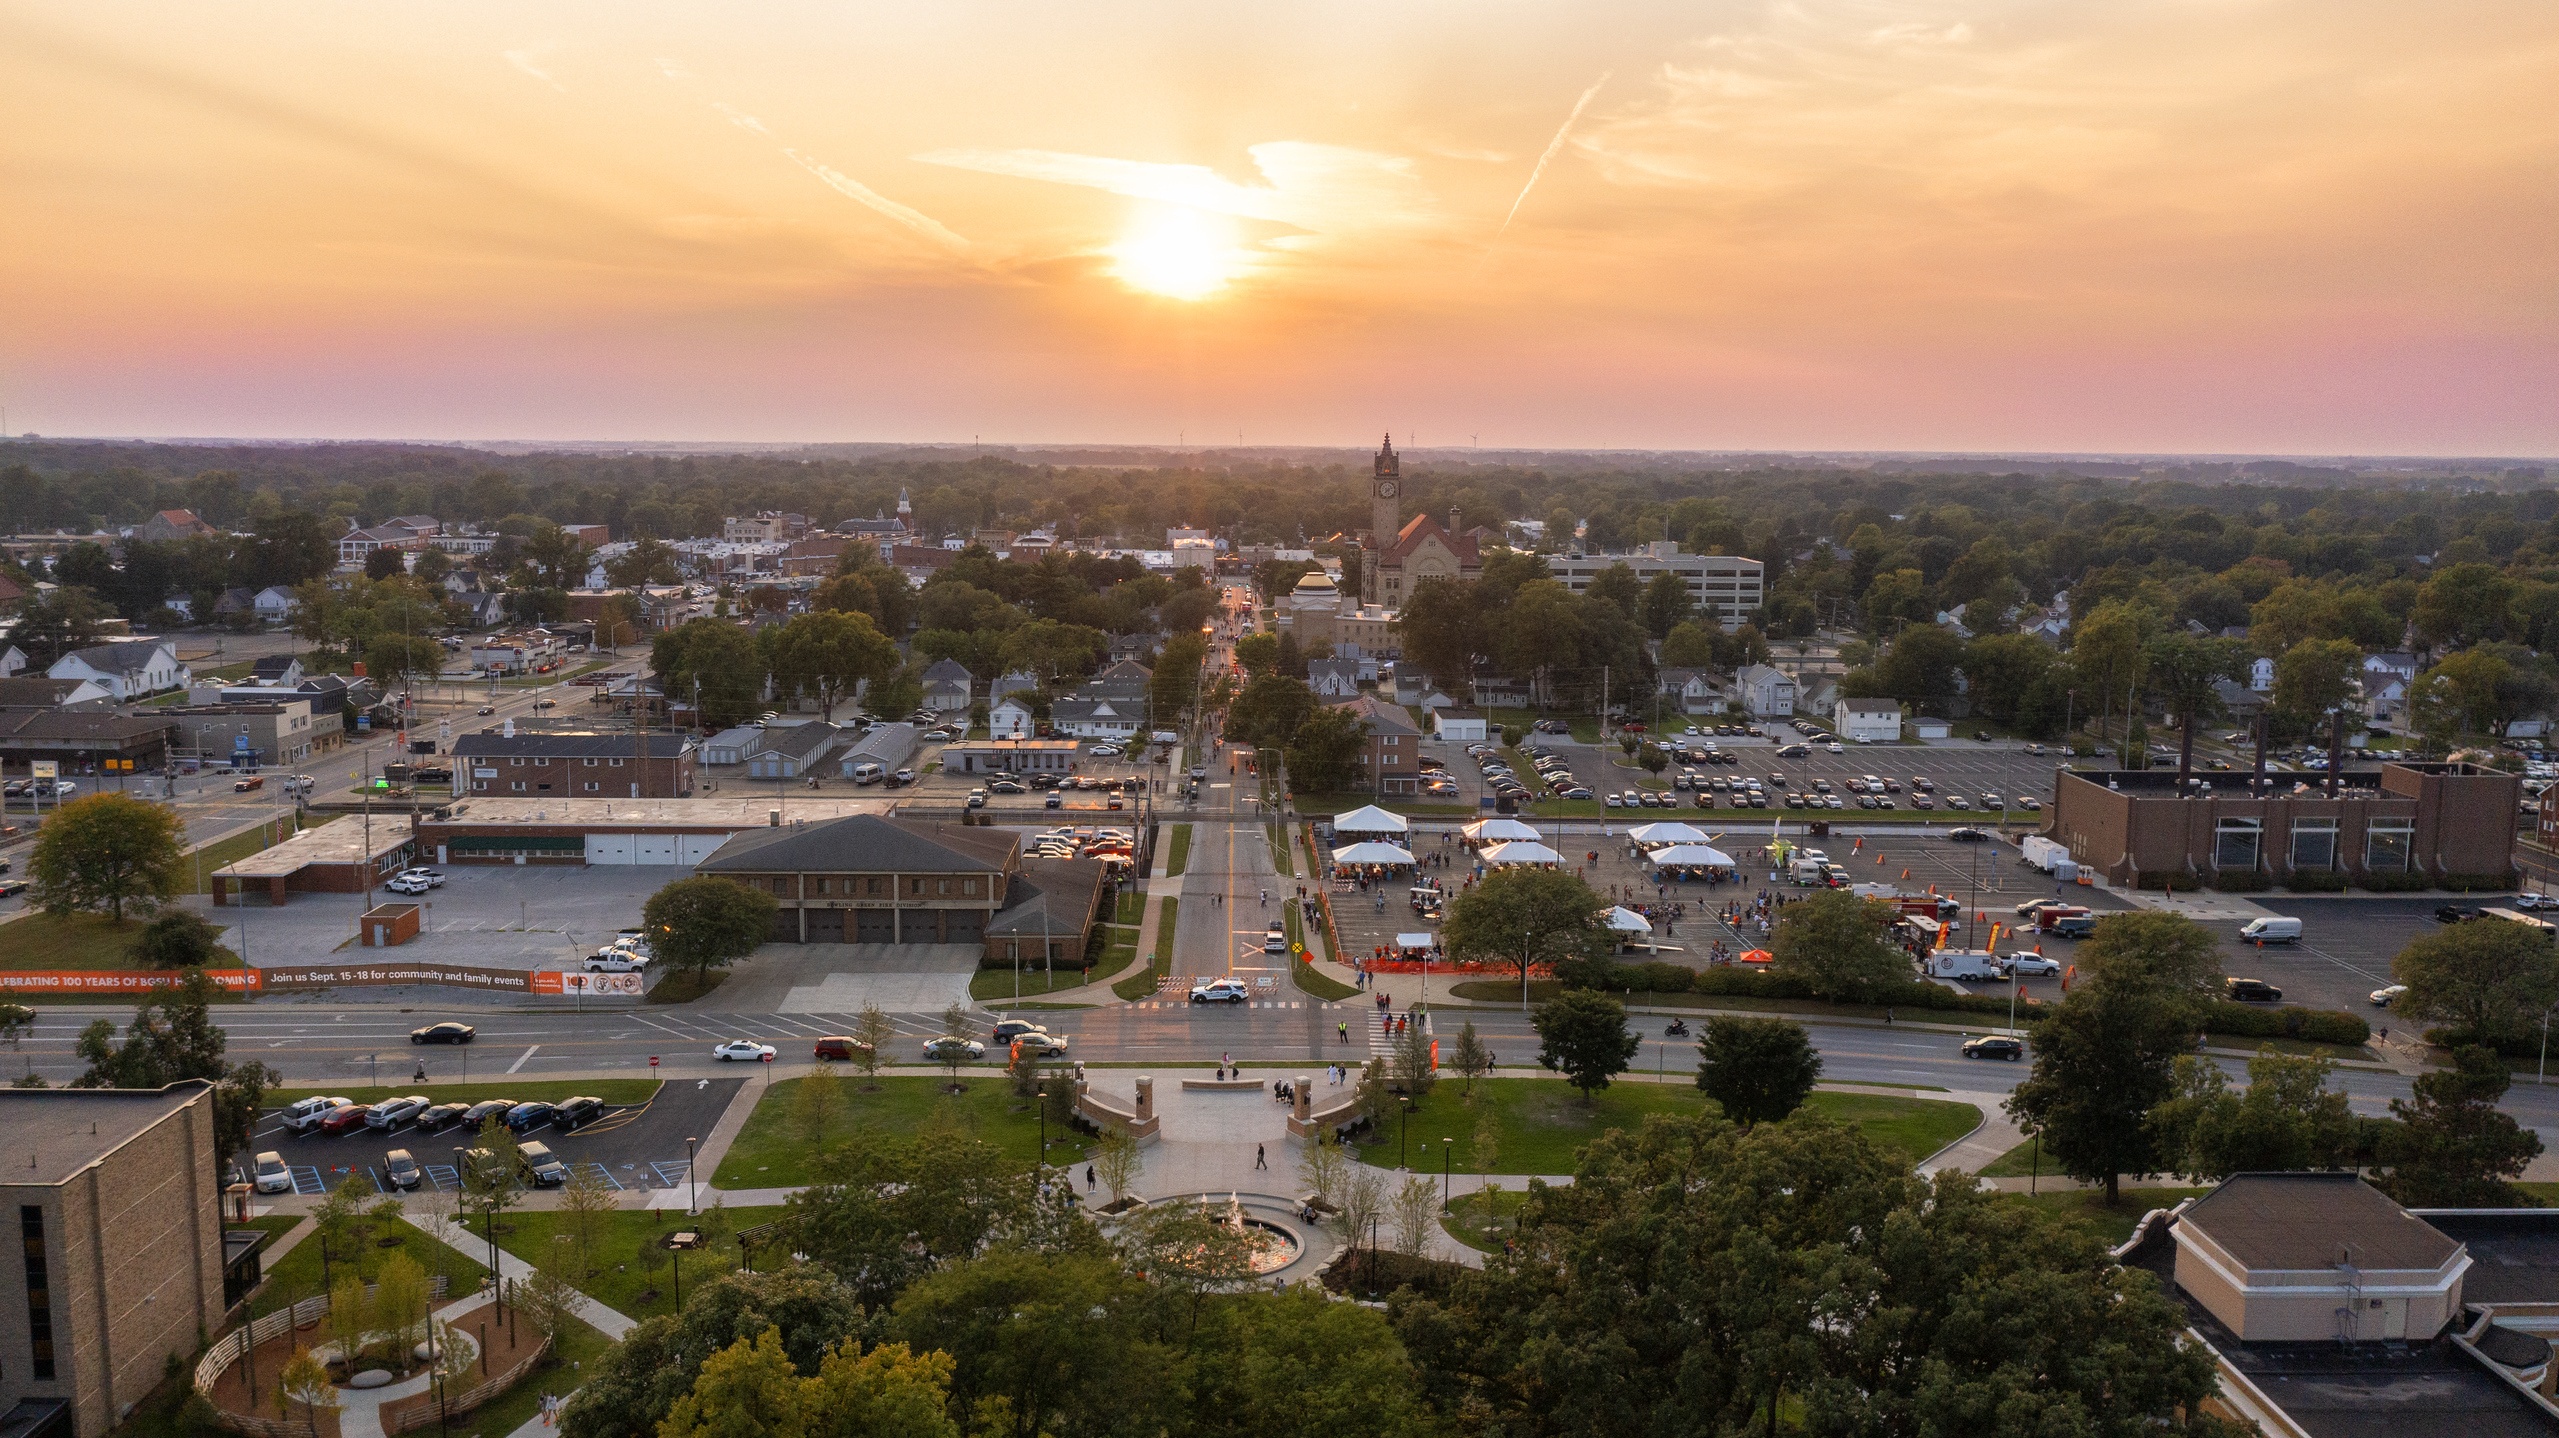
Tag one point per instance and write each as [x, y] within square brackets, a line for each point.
[656, 849]
[963, 926]
[874, 926]
[608, 848]
[826, 926]
[694, 848]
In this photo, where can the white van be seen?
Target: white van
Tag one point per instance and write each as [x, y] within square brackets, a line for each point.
[2274, 929]
[868, 773]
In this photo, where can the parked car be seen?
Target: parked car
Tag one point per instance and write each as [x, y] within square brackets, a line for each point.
[2457, 913]
[542, 1168]
[615, 960]
[433, 878]
[447, 1032]
[345, 1118]
[2382, 997]
[1008, 1030]
[400, 1169]
[2019, 965]
[478, 1113]
[943, 1048]
[840, 1048]
[1967, 836]
[2254, 991]
[529, 1115]
[747, 1050]
[1995, 1046]
[304, 1115]
[576, 1113]
[271, 1174]
[442, 1116]
[403, 884]
[392, 1112]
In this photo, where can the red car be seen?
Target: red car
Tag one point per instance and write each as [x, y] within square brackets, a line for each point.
[344, 1119]
[841, 1048]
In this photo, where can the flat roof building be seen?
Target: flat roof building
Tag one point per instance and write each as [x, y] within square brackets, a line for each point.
[1726, 588]
[114, 1209]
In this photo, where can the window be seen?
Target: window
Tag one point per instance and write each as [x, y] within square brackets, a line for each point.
[517, 786]
[2314, 843]
[591, 788]
[541, 763]
[969, 887]
[39, 1294]
[2235, 843]
[2388, 845]
[589, 763]
[617, 763]
[942, 887]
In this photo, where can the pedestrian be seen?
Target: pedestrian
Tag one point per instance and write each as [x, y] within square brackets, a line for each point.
[1088, 1175]
[1260, 1159]
[1344, 1027]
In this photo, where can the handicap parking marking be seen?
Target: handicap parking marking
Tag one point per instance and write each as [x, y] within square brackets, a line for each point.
[601, 1172]
[443, 1176]
[672, 1172]
[306, 1179]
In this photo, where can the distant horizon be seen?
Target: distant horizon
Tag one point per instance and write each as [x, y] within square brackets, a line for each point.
[502, 444]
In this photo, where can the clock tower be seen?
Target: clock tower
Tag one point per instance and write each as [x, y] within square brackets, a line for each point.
[1386, 496]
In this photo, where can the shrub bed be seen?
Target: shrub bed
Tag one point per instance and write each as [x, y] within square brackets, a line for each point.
[2242, 881]
[2292, 1021]
[2316, 881]
[2394, 883]
[2469, 883]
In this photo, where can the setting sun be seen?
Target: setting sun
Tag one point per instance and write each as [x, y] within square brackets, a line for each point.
[1178, 253]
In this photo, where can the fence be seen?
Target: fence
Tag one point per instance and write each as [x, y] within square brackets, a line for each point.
[233, 1345]
[472, 1397]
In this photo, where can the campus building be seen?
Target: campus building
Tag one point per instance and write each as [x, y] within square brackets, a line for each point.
[1725, 588]
[2409, 822]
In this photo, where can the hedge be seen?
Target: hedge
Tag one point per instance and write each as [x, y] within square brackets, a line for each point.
[2242, 881]
[2394, 883]
[2470, 882]
[2292, 1021]
[2316, 881]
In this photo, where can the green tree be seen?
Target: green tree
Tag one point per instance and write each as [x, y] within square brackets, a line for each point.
[872, 1034]
[2488, 980]
[2286, 1119]
[1527, 917]
[400, 660]
[2182, 669]
[177, 940]
[2314, 677]
[588, 1200]
[817, 1104]
[1689, 645]
[2106, 1055]
[649, 560]
[890, 1391]
[1469, 1056]
[1836, 944]
[1583, 1036]
[630, 1388]
[704, 922]
[385, 564]
[747, 1390]
[305, 1380]
[2106, 649]
[1268, 714]
[1665, 604]
[400, 1300]
[1258, 654]
[1324, 754]
[107, 852]
[2453, 1147]
[1412, 1064]
[827, 654]
[173, 1038]
[717, 663]
[1758, 1070]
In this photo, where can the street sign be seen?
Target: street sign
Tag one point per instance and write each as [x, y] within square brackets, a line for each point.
[653, 1060]
[45, 769]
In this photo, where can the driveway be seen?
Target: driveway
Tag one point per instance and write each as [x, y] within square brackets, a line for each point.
[841, 978]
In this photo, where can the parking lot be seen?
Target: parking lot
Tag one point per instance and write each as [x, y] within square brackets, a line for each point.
[632, 1146]
[486, 915]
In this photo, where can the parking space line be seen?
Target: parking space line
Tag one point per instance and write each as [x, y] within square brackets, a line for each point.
[520, 1058]
[443, 1176]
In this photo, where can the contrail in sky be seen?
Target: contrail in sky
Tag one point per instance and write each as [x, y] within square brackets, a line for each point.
[1552, 146]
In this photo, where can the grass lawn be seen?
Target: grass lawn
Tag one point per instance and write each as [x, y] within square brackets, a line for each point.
[2088, 1206]
[1140, 984]
[1179, 854]
[75, 941]
[613, 1091]
[274, 1225]
[1506, 993]
[1129, 910]
[576, 1346]
[681, 987]
[1539, 1123]
[772, 1152]
[1585, 727]
[297, 1275]
[1466, 1221]
[1303, 973]
[206, 861]
[997, 985]
[621, 1280]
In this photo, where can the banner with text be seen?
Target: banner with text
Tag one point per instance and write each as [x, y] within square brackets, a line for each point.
[510, 981]
[559, 984]
[116, 981]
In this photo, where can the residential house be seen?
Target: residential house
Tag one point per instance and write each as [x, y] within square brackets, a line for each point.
[1009, 719]
[13, 662]
[582, 766]
[11, 593]
[1693, 691]
[279, 669]
[33, 692]
[1019, 681]
[172, 524]
[1097, 718]
[1391, 755]
[1765, 691]
[236, 603]
[1867, 721]
[2261, 675]
[1453, 725]
[129, 670]
[1333, 678]
[408, 532]
[947, 687]
[275, 604]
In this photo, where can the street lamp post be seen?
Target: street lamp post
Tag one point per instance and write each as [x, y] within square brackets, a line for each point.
[1447, 1154]
[1403, 1127]
[692, 1179]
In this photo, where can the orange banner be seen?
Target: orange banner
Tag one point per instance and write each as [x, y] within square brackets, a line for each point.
[116, 981]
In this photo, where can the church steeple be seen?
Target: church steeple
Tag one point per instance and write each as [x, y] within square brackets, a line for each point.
[1385, 493]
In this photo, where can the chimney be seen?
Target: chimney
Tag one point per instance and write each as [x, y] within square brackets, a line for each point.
[1456, 522]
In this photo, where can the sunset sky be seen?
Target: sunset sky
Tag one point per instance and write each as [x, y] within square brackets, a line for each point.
[2283, 226]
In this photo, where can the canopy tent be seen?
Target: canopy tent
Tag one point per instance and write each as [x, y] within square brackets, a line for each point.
[1689, 856]
[1522, 851]
[1627, 921]
[1370, 820]
[1373, 852]
[1499, 831]
[1671, 832]
[1416, 941]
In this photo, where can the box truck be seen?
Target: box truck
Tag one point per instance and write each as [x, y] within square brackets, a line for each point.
[1963, 964]
[2041, 852]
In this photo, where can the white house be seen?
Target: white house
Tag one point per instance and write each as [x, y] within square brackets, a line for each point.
[13, 662]
[1692, 690]
[128, 670]
[1766, 692]
[1333, 678]
[1458, 726]
[946, 687]
[1867, 721]
[1097, 718]
[1009, 719]
[1932, 728]
[2261, 675]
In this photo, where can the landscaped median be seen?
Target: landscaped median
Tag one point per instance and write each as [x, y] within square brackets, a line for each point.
[1302, 968]
[1177, 852]
[1537, 1125]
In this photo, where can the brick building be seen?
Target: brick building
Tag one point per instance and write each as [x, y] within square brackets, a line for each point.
[115, 1206]
[579, 766]
[2436, 820]
[866, 879]
[1390, 757]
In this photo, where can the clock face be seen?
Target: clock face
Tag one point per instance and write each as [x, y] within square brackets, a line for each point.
[1387, 489]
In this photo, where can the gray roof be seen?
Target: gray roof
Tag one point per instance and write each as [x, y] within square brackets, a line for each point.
[866, 844]
[2311, 1221]
[50, 1128]
[886, 744]
[568, 746]
[22, 690]
[274, 667]
[1380, 716]
[1049, 897]
[946, 671]
[795, 741]
[129, 656]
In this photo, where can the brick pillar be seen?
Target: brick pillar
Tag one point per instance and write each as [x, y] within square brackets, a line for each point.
[1145, 1100]
[1303, 1102]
